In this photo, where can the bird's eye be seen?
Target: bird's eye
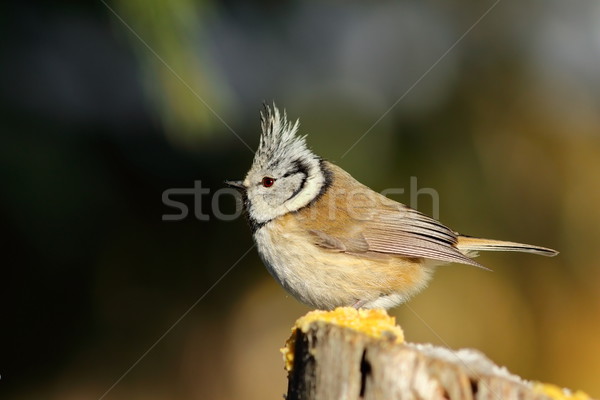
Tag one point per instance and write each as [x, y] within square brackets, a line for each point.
[268, 182]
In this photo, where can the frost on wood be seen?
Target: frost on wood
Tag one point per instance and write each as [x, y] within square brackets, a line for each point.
[327, 360]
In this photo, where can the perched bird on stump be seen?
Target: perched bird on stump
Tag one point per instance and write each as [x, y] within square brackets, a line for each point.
[331, 241]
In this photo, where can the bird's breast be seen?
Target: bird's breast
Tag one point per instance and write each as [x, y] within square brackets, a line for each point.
[327, 279]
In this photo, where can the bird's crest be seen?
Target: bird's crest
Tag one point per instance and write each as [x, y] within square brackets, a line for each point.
[279, 140]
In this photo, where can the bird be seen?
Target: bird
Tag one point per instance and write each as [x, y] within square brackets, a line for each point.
[331, 241]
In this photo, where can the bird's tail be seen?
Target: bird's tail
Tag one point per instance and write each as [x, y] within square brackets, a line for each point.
[470, 246]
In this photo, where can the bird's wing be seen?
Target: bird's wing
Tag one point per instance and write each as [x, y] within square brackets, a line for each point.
[392, 228]
[408, 232]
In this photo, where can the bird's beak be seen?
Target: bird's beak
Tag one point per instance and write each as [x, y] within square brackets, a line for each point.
[239, 185]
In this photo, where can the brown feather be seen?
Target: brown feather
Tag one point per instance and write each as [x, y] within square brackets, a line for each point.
[472, 245]
[351, 217]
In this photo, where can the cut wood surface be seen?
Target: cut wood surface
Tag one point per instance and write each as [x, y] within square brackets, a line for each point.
[350, 355]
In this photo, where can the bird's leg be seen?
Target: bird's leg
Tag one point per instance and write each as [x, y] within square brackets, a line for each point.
[359, 304]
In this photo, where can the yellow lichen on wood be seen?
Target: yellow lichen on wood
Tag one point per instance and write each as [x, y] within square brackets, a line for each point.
[373, 323]
[558, 393]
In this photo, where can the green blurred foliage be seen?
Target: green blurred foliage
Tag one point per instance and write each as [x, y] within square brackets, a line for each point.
[176, 66]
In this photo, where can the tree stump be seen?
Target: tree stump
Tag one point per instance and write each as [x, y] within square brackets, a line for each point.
[350, 354]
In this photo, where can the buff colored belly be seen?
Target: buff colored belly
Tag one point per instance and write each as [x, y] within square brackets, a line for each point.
[326, 279]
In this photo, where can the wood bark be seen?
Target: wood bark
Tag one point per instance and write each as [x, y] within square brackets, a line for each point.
[332, 362]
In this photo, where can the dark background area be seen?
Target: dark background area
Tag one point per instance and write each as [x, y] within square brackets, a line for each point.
[495, 106]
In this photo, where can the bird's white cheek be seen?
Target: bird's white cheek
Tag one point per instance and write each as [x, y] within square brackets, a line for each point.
[261, 210]
[307, 194]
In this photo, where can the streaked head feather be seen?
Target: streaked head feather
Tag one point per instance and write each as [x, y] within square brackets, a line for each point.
[283, 156]
[279, 140]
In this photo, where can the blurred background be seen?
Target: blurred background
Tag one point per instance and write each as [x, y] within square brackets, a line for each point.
[105, 106]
